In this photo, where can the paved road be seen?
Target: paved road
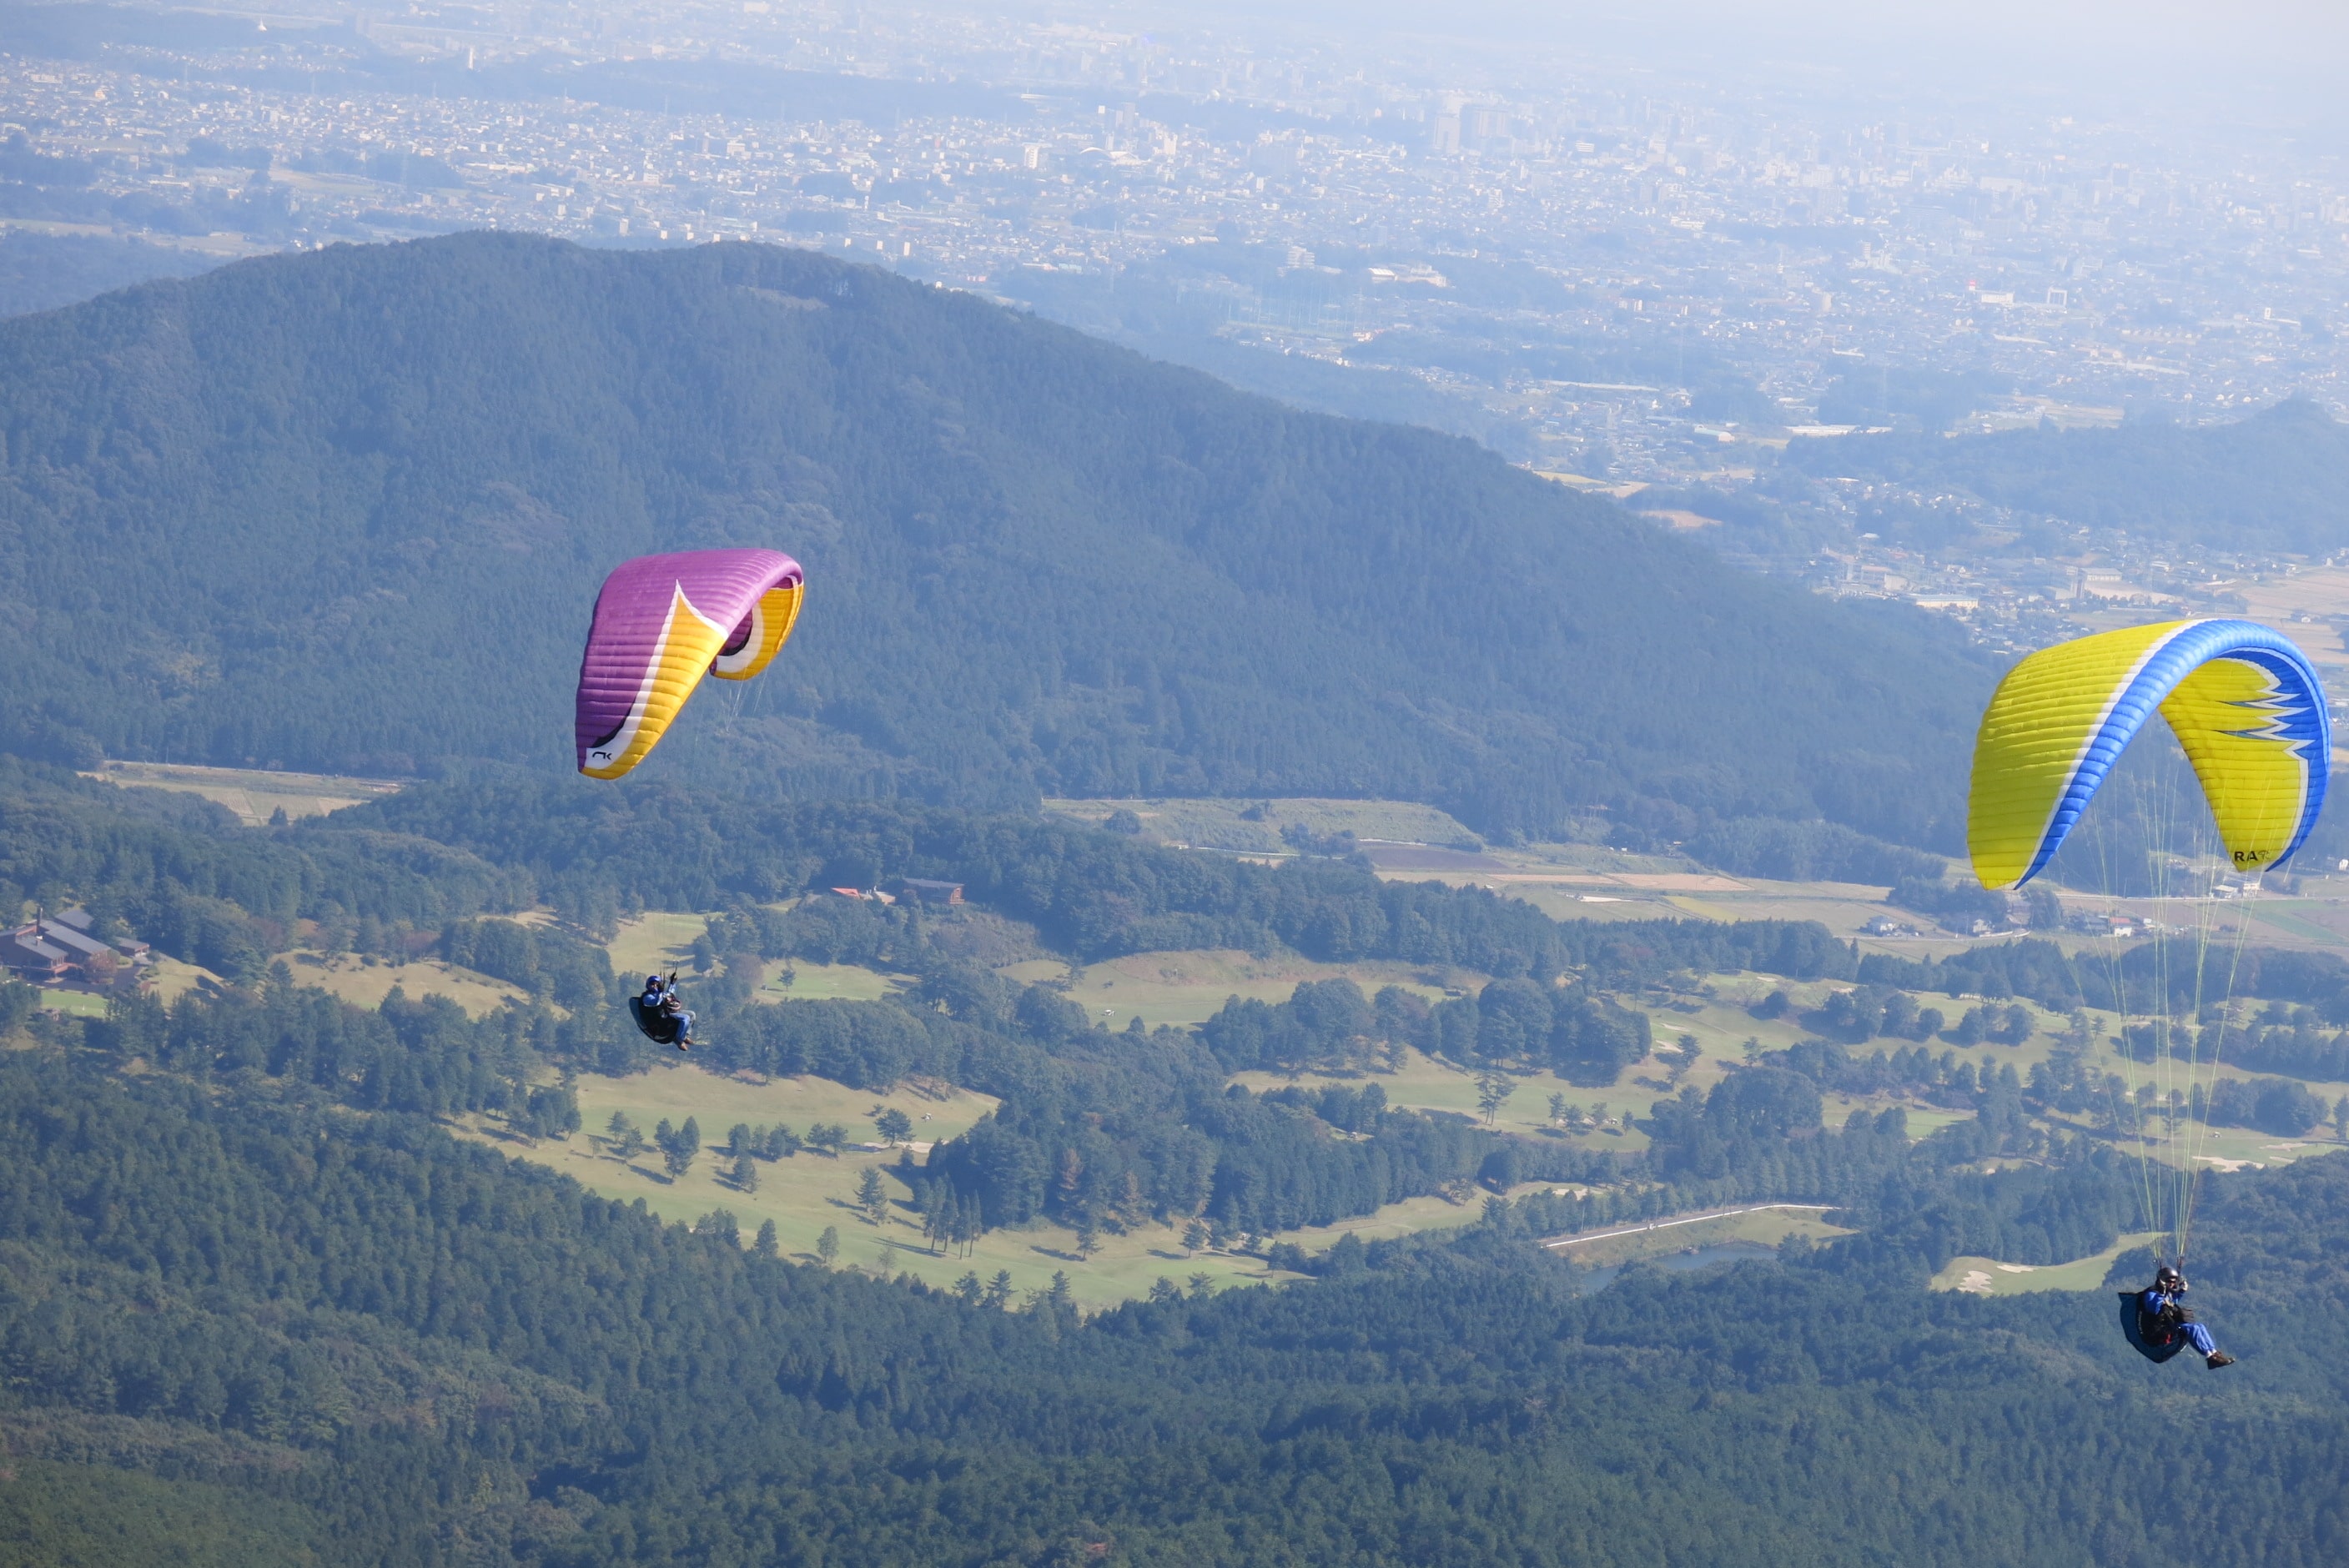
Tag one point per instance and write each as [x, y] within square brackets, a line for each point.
[1683, 1220]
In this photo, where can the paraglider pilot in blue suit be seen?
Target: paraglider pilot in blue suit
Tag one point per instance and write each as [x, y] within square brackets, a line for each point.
[2160, 1325]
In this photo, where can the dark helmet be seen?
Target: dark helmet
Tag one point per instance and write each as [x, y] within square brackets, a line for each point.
[2168, 1279]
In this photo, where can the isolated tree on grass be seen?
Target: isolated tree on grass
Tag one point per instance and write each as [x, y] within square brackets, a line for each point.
[1195, 1236]
[871, 1196]
[745, 1174]
[894, 1126]
[677, 1145]
[827, 1245]
[766, 1247]
[627, 1139]
[1493, 1091]
[1684, 1056]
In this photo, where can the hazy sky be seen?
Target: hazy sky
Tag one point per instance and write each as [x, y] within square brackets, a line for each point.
[2272, 60]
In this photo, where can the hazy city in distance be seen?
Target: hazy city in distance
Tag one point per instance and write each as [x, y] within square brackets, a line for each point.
[1624, 271]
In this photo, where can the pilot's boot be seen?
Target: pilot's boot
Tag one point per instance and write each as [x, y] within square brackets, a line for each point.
[2218, 1358]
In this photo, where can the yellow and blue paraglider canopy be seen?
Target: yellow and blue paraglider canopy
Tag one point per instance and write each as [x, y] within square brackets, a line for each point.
[2244, 703]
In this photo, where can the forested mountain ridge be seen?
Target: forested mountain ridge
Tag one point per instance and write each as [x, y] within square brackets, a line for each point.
[347, 509]
[2268, 483]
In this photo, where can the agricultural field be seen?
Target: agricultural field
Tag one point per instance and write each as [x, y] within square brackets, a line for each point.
[2301, 604]
[808, 1191]
[1579, 881]
[254, 794]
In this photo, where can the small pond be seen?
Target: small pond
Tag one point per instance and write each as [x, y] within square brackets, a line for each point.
[1693, 1258]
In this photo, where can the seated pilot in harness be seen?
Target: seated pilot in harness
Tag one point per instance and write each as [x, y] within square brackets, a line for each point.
[2165, 1325]
[662, 1016]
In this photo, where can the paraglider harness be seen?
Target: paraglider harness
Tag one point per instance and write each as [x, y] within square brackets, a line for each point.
[2156, 1335]
[659, 1014]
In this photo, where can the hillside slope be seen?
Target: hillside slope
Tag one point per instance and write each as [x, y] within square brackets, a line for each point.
[2272, 482]
[348, 509]
[259, 1308]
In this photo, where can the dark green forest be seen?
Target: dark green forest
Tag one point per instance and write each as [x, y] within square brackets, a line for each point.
[313, 1335]
[257, 1306]
[2270, 482]
[347, 510]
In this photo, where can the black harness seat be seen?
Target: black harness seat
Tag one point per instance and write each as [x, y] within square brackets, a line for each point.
[2152, 1335]
[656, 1025]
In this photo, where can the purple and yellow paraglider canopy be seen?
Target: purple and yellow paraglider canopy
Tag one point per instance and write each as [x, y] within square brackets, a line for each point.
[660, 622]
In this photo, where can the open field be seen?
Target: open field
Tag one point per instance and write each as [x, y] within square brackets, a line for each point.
[660, 939]
[1988, 1276]
[679, 1089]
[1188, 987]
[1765, 1226]
[663, 940]
[74, 1004]
[1587, 882]
[825, 982]
[252, 793]
[2273, 598]
[809, 1191]
[1426, 1084]
[1254, 827]
[363, 984]
[173, 978]
[2235, 1148]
